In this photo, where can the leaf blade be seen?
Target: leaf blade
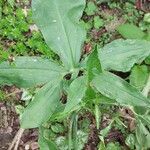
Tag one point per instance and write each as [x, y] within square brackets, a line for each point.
[142, 135]
[77, 86]
[116, 88]
[139, 76]
[121, 55]
[61, 28]
[130, 31]
[44, 142]
[43, 105]
[29, 71]
[93, 63]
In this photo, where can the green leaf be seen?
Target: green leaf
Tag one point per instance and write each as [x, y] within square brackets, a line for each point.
[121, 55]
[1, 9]
[29, 71]
[91, 8]
[142, 135]
[102, 146]
[147, 17]
[113, 146]
[145, 119]
[2, 95]
[57, 128]
[43, 105]
[105, 100]
[139, 76]
[93, 64]
[59, 22]
[104, 132]
[147, 36]
[147, 60]
[116, 88]
[44, 143]
[75, 93]
[98, 22]
[130, 141]
[11, 2]
[130, 31]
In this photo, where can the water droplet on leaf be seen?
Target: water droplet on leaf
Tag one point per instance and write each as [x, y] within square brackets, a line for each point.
[54, 21]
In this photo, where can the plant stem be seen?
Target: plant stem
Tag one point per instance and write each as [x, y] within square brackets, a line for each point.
[16, 139]
[146, 91]
[74, 130]
[70, 136]
[146, 88]
[97, 116]
[12, 94]
[73, 127]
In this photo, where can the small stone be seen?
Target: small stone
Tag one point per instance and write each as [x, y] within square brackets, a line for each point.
[34, 146]
[33, 28]
[9, 130]
[27, 147]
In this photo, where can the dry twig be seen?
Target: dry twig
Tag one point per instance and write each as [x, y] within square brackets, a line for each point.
[16, 140]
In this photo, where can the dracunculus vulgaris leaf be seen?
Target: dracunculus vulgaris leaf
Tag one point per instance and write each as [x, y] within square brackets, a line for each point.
[118, 89]
[76, 93]
[42, 107]
[58, 21]
[121, 55]
[29, 71]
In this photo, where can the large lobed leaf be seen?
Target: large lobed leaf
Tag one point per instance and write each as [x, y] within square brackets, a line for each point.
[29, 71]
[58, 21]
[43, 105]
[121, 55]
[116, 88]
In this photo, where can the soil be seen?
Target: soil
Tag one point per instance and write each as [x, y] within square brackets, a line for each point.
[9, 122]
[9, 125]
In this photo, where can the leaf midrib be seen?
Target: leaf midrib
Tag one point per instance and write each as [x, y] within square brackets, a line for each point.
[64, 30]
[29, 69]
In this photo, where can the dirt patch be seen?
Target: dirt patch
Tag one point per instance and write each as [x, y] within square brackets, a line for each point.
[9, 125]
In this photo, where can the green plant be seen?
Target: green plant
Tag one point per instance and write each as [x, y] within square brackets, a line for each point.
[130, 31]
[91, 8]
[2, 95]
[17, 35]
[80, 81]
[98, 22]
